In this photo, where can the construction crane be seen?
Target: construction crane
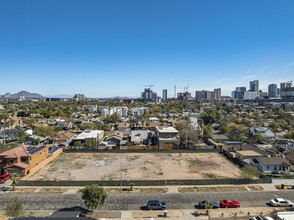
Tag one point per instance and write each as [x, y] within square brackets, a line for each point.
[149, 86]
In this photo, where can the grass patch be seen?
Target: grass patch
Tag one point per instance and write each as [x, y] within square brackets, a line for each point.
[24, 190]
[286, 187]
[255, 188]
[211, 189]
[136, 190]
[210, 175]
[160, 173]
[53, 190]
[195, 162]
[134, 158]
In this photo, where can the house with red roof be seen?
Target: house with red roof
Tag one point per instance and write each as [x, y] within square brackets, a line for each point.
[25, 158]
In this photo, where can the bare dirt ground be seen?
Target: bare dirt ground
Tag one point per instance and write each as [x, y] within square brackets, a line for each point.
[138, 166]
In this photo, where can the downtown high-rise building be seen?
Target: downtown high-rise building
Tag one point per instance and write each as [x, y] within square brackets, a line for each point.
[148, 95]
[217, 92]
[285, 85]
[79, 97]
[272, 90]
[254, 86]
[239, 93]
[164, 95]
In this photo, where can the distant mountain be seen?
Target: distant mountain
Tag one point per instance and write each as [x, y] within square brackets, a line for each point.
[21, 94]
[66, 96]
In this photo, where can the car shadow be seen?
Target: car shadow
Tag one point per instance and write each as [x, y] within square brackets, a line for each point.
[269, 204]
[143, 207]
[198, 207]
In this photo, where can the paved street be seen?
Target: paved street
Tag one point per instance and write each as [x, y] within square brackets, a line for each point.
[135, 201]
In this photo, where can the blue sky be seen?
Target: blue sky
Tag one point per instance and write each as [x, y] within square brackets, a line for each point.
[114, 47]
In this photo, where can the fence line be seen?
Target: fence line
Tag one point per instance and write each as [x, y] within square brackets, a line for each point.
[263, 179]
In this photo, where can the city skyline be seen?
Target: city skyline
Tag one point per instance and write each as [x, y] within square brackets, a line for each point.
[69, 47]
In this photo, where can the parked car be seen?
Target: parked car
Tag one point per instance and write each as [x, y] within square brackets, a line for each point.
[262, 218]
[4, 177]
[3, 189]
[214, 205]
[281, 202]
[154, 204]
[229, 204]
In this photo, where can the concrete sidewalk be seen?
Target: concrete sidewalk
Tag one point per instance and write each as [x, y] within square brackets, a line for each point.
[171, 189]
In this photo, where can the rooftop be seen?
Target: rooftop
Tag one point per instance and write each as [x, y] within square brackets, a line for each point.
[88, 134]
[166, 129]
[269, 161]
[249, 153]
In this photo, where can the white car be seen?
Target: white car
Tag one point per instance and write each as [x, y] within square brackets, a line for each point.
[262, 218]
[281, 202]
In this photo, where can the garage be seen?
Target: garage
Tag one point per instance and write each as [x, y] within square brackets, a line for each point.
[14, 171]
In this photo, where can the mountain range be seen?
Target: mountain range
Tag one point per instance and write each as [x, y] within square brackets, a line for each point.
[21, 94]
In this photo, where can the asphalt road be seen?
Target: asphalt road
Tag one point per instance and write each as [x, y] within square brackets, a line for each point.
[136, 201]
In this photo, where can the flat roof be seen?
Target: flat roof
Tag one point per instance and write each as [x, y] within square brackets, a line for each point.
[166, 129]
[249, 153]
[88, 134]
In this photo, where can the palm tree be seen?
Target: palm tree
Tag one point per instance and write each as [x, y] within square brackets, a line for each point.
[15, 179]
[207, 207]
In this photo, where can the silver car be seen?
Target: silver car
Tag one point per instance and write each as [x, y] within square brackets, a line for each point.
[281, 202]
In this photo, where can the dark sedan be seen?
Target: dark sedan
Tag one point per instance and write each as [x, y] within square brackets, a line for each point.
[214, 205]
[154, 204]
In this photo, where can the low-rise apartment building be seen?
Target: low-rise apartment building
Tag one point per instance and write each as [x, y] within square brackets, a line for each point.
[167, 137]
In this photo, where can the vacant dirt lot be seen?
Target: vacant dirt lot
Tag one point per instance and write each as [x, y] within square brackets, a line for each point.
[134, 166]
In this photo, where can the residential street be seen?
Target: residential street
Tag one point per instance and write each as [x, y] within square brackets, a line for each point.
[135, 201]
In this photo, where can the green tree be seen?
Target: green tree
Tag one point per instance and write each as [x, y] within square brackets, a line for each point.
[94, 196]
[10, 123]
[22, 137]
[14, 207]
[15, 179]
[207, 132]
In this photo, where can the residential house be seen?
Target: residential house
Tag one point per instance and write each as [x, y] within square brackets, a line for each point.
[64, 124]
[35, 139]
[153, 119]
[123, 126]
[63, 138]
[246, 154]
[88, 136]
[272, 164]
[17, 121]
[194, 123]
[219, 137]
[114, 140]
[139, 137]
[26, 160]
[167, 137]
[266, 132]
[13, 134]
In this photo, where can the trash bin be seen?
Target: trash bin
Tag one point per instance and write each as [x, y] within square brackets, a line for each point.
[282, 186]
[292, 186]
[165, 213]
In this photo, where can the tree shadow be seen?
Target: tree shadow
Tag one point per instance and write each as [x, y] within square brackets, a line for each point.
[76, 208]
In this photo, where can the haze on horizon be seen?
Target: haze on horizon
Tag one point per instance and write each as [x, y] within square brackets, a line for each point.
[113, 48]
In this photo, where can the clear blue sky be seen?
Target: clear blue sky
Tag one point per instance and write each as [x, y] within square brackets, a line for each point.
[114, 47]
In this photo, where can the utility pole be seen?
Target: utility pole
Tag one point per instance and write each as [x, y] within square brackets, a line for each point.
[120, 175]
[186, 140]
